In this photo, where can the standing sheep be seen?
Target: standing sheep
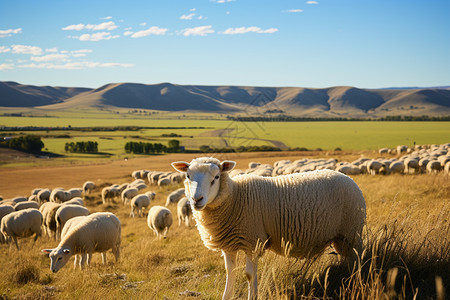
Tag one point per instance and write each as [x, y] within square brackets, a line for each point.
[307, 211]
[109, 193]
[88, 187]
[25, 205]
[159, 220]
[175, 196]
[4, 210]
[66, 212]
[140, 201]
[128, 194]
[43, 196]
[97, 232]
[184, 211]
[23, 223]
[48, 210]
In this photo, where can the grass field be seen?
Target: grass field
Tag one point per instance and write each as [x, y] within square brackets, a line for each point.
[407, 249]
[220, 133]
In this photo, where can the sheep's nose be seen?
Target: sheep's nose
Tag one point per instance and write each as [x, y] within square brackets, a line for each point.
[198, 199]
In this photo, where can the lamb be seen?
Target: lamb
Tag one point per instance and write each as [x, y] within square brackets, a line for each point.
[66, 212]
[88, 187]
[128, 194]
[159, 220]
[25, 205]
[97, 232]
[307, 211]
[175, 196]
[23, 223]
[140, 201]
[184, 211]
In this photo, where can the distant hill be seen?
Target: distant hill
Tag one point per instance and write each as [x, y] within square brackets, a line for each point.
[341, 101]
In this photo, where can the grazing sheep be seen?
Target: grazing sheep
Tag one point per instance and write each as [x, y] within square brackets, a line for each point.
[66, 212]
[59, 195]
[136, 174]
[43, 196]
[25, 205]
[433, 166]
[159, 220]
[48, 210]
[109, 193]
[184, 211]
[128, 194]
[23, 223]
[4, 210]
[396, 167]
[19, 199]
[307, 211]
[74, 192]
[140, 201]
[154, 177]
[349, 169]
[67, 227]
[88, 187]
[163, 181]
[76, 200]
[97, 232]
[447, 168]
[411, 164]
[175, 196]
[36, 191]
[383, 151]
[375, 167]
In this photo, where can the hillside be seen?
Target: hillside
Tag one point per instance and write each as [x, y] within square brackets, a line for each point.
[341, 101]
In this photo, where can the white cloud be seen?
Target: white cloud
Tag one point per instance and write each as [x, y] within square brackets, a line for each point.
[143, 24]
[201, 31]
[103, 26]
[244, 30]
[296, 10]
[127, 33]
[52, 50]
[201, 18]
[95, 37]
[106, 18]
[5, 67]
[81, 51]
[9, 32]
[75, 65]
[187, 17]
[50, 57]
[4, 49]
[154, 30]
[312, 2]
[193, 9]
[222, 1]
[22, 49]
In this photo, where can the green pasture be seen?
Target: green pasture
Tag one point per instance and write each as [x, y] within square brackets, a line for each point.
[218, 133]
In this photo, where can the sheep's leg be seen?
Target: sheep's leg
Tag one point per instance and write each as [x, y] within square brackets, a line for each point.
[187, 221]
[84, 258]
[250, 272]
[15, 241]
[75, 260]
[103, 257]
[179, 221]
[116, 252]
[230, 264]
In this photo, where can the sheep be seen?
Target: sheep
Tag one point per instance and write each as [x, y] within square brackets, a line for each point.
[88, 187]
[375, 167]
[140, 201]
[59, 195]
[128, 194]
[23, 223]
[349, 169]
[159, 220]
[48, 210]
[19, 199]
[109, 193]
[74, 192]
[67, 227]
[396, 167]
[32, 198]
[383, 151]
[36, 191]
[76, 201]
[411, 163]
[163, 181]
[66, 212]
[43, 196]
[175, 196]
[307, 211]
[447, 168]
[136, 174]
[184, 211]
[4, 210]
[25, 205]
[97, 232]
[433, 166]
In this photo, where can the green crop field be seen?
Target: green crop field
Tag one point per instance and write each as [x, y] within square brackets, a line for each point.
[216, 132]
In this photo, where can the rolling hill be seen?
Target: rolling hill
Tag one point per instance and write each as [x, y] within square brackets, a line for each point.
[341, 101]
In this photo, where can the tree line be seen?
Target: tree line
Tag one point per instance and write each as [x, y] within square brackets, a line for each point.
[28, 143]
[81, 147]
[173, 146]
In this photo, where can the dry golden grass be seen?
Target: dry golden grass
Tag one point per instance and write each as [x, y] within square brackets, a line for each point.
[407, 256]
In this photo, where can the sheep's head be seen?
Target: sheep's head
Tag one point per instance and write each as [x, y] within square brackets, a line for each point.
[58, 258]
[202, 179]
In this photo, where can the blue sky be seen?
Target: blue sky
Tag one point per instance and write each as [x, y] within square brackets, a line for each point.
[323, 43]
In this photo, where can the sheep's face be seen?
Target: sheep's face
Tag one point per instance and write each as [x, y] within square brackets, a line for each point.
[202, 181]
[58, 258]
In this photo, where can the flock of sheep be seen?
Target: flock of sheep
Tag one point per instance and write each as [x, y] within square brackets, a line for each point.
[295, 203]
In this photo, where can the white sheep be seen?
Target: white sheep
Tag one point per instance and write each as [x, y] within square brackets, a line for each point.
[19, 199]
[109, 193]
[140, 201]
[163, 181]
[306, 211]
[23, 223]
[43, 195]
[128, 194]
[76, 200]
[25, 205]
[4, 210]
[97, 232]
[59, 195]
[48, 210]
[66, 212]
[74, 192]
[175, 196]
[184, 211]
[396, 167]
[433, 166]
[159, 220]
[88, 187]
[67, 227]
[375, 167]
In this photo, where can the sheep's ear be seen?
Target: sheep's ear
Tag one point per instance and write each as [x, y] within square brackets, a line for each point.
[227, 165]
[180, 166]
[46, 250]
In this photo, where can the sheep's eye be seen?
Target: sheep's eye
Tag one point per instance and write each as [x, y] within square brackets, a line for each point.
[217, 177]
